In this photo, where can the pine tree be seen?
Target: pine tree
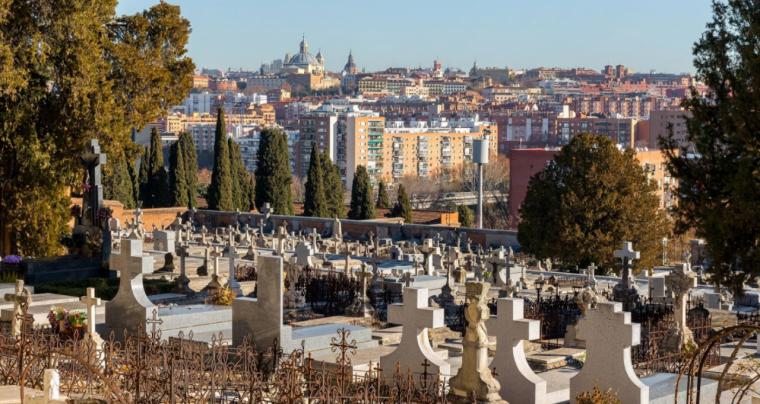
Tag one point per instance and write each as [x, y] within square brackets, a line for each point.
[314, 203]
[118, 184]
[157, 192]
[219, 196]
[402, 208]
[191, 167]
[362, 207]
[587, 201]
[382, 196]
[178, 176]
[334, 189]
[273, 177]
[718, 180]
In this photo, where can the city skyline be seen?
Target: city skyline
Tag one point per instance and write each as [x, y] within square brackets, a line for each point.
[653, 36]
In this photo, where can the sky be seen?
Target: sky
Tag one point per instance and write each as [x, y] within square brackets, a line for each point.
[643, 35]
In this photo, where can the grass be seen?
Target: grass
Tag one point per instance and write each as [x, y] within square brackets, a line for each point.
[105, 288]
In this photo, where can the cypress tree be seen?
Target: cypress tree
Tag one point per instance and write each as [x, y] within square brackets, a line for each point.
[403, 207]
[191, 167]
[118, 184]
[237, 188]
[273, 178]
[178, 176]
[142, 178]
[334, 189]
[382, 196]
[314, 200]
[219, 195]
[157, 192]
[362, 207]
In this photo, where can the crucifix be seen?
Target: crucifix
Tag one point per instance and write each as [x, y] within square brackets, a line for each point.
[92, 302]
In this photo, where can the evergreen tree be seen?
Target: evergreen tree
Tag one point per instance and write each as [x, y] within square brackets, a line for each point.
[587, 201]
[466, 217]
[383, 202]
[402, 208]
[142, 178]
[362, 207]
[334, 189]
[273, 178]
[219, 196]
[157, 192]
[718, 177]
[118, 185]
[191, 167]
[314, 194]
[178, 176]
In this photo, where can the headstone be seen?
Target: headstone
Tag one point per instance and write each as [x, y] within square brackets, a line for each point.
[414, 350]
[609, 335]
[130, 308]
[474, 377]
[519, 383]
[21, 300]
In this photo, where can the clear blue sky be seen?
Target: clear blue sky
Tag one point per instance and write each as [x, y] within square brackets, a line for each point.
[644, 34]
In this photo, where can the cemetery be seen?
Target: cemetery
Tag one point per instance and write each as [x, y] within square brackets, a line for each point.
[261, 309]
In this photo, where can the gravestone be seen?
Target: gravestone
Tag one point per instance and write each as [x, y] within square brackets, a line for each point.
[130, 308]
[414, 349]
[609, 335]
[474, 378]
[519, 383]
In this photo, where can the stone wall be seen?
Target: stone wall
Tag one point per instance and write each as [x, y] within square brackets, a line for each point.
[360, 229]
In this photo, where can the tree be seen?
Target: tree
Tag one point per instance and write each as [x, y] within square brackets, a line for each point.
[219, 195]
[587, 201]
[362, 207]
[466, 217]
[119, 186]
[334, 189]
[314, 203]
[273, 178]
[403, 207]
[718, 177]
[382, 196]
[191, 167]
[157, 185]
[178, 177]
[71, 72]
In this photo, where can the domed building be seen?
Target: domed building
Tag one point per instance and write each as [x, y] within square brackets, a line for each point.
[304, 62]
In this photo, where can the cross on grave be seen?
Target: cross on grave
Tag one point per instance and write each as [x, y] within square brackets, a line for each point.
[627, 254]
[21, 300]
[92, 198]
[129, 309]
[414, 348]
[232, 255]
[519, 383]
[92, 302]
[609, 335]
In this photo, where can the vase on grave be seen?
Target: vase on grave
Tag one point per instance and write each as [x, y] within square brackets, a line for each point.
[474, 377]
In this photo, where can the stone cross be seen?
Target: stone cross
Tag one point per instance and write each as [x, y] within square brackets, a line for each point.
[520, 383]
[680, 281]
[609, 335]
[92, 198]
[414, 348]
[21, 300]
[627, 254]
[232, 255]
[92, 302]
